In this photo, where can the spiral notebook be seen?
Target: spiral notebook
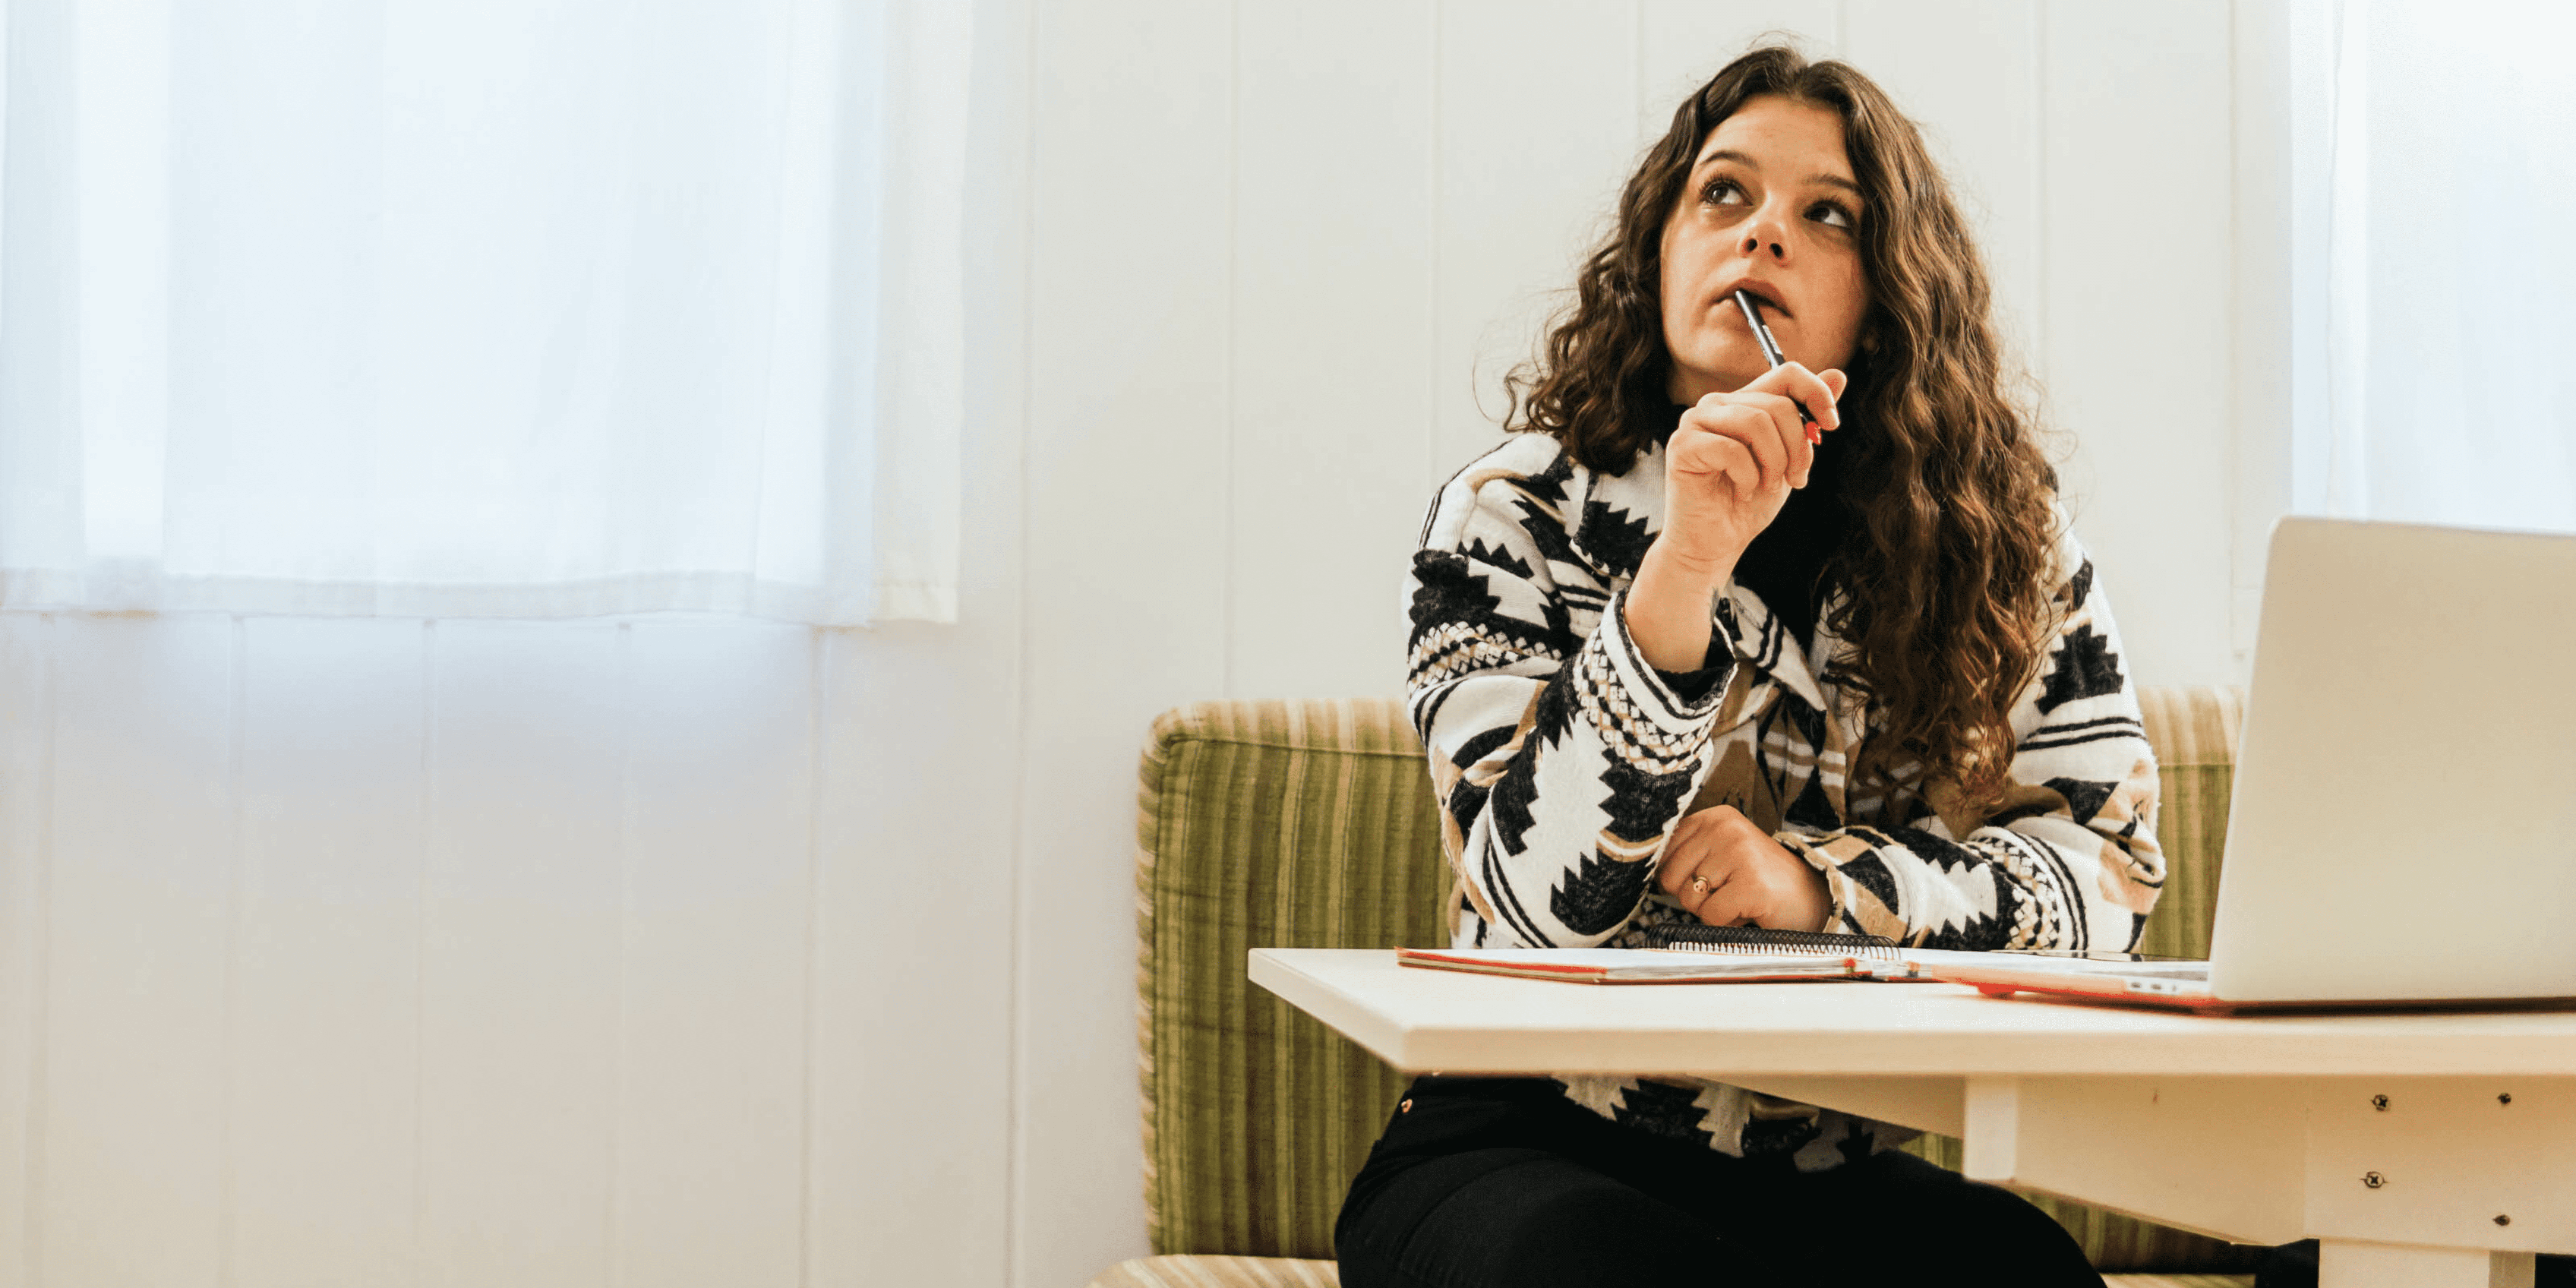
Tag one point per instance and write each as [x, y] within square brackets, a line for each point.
[1690, 954]
[1697, 954]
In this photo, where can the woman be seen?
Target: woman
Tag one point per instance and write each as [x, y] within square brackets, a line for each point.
[1673, 661]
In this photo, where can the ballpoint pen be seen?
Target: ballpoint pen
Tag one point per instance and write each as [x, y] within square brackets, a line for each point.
[1771, 352]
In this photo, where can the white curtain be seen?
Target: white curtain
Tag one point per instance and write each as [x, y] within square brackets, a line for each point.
[2440, 292]
[525, 308]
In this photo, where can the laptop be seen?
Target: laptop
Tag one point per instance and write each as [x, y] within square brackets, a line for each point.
[2403, 825]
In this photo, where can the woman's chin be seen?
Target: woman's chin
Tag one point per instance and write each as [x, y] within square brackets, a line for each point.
[1724, 373]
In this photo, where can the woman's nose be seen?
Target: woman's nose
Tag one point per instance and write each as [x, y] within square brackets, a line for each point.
[1764, 236]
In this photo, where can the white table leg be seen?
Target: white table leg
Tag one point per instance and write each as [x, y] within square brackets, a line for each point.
[2343, 1263]
[2223, 1156]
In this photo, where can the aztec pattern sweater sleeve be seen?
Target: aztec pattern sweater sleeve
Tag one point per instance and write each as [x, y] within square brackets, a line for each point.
[2068, 860]
[1561, 759]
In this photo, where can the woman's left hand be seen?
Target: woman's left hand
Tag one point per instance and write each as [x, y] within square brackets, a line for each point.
[1728, 872]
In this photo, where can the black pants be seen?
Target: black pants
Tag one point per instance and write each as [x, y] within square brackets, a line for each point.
[1500, 1182]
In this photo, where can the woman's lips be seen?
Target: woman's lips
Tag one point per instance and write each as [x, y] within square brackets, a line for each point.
[1760, 294]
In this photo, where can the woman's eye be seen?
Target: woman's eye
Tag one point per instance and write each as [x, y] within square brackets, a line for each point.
[1717, 188]
[1831, 215]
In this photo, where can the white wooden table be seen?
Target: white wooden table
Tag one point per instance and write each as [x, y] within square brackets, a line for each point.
[2423, 1149]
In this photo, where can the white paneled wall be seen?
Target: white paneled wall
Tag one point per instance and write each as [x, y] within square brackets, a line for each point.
[380, 952]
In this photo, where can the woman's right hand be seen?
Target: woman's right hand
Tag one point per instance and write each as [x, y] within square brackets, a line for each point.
[1732, 461]
[1728, 469]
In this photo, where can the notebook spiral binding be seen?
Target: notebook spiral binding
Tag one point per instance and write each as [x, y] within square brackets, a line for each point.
[1755, 940]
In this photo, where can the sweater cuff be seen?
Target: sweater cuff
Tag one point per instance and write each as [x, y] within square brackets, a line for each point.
[1694, 687]
[1837, 908]
[1679, 702]
[1638, 717]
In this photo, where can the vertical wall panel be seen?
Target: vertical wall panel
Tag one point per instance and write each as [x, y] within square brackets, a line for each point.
[26, 753]
[1538, 107]
[712, 1057]
[1332, 336]
[325, 1057]
[913, 1076]
[918, 825]
[519, 954]
[2139, 275]
[1126, 567]
[1967, 72]
[142, 864]
[2267, 47]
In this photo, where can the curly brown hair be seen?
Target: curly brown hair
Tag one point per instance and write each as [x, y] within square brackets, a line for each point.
[1945, 585]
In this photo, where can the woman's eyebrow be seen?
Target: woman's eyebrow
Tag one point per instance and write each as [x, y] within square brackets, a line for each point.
[1730, 154]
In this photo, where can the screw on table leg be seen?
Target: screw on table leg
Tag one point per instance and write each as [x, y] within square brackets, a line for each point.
[2502, 1219]
[2379, 1103]
[2373, 1180]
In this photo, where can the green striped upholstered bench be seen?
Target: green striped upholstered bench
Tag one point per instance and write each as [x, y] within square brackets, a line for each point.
[1310, 825]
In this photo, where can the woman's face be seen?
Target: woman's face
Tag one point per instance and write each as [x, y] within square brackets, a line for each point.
[1770, 205]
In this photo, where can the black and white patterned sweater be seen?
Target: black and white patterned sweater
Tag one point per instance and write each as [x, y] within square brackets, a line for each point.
[1563, 762]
